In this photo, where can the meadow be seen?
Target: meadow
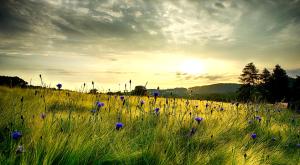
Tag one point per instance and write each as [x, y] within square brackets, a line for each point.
[46, 126]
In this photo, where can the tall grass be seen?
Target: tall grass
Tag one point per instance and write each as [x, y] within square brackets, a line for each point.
[70, 133]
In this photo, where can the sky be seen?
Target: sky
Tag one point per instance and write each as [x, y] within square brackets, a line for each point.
[166, 43]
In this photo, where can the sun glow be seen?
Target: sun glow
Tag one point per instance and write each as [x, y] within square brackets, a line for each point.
[192, 67]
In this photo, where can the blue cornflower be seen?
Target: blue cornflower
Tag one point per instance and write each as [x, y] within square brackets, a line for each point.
[122, 97]
[258, 118]
[59, 85]
[99, 104]
[155, 94]
[156, 110]
[253, 136]
[16, 135]
[142, 102]
[198, 119]
[119, 125]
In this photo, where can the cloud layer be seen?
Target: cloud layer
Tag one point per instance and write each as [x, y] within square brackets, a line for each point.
[105, 35]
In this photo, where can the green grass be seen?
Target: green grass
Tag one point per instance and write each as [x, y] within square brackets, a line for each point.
[71, 134]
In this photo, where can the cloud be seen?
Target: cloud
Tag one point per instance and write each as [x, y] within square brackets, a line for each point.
[219, 5]
[293, 72]
[206, 77]
[90, 34]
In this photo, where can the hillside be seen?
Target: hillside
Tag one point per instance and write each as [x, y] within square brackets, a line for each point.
[219, 88]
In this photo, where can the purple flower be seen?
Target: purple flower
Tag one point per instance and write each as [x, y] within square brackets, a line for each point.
[250, 122]
[59, 85]
[258, 118]
[253, 136]
[221, 109]
[142, 102]
[196, 106]
[99, 104]
[156, 110]
[119, 125]
[198, 119]
[122, 97]
[155, 94]
[16, 135]
[43, 115]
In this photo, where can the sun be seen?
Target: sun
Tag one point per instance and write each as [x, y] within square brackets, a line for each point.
[191, 66]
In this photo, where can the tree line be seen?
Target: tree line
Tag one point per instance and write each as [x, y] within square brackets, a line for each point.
[266, 86]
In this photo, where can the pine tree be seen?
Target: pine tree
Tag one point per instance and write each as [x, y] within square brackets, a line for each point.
[264, 86]
[250, 75]
[250, 79]
[279, 85]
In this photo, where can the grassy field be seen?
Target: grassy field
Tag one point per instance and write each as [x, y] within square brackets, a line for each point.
[58, 127]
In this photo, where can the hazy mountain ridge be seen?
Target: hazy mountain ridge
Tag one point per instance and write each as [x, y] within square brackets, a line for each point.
[219, 88]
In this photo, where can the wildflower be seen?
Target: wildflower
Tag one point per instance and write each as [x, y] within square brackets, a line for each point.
[122, 97]
[196, 106]
[59, 85]
[156, 110]
[221, 109]
[16, 135]
[250, 122]
[119, 125]
[253, 136]
[20, 149]
[258, 118]
[142, 102]
[155, 94]
[43, 115]
[99, 104]
[198, 119]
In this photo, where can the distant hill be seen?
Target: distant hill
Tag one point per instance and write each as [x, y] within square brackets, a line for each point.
[219, 88]
[12, 81]
[177, 92]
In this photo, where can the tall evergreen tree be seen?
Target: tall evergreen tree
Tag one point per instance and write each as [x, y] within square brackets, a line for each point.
[265, 76]
[249, 78]
[264, 84]
[250, 75]
[279, 85]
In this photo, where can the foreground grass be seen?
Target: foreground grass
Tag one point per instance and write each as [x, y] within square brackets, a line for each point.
[71, 134]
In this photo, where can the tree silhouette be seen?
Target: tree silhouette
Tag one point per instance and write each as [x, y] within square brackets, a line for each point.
[279, 85]
[249, 78]
[264, 84]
